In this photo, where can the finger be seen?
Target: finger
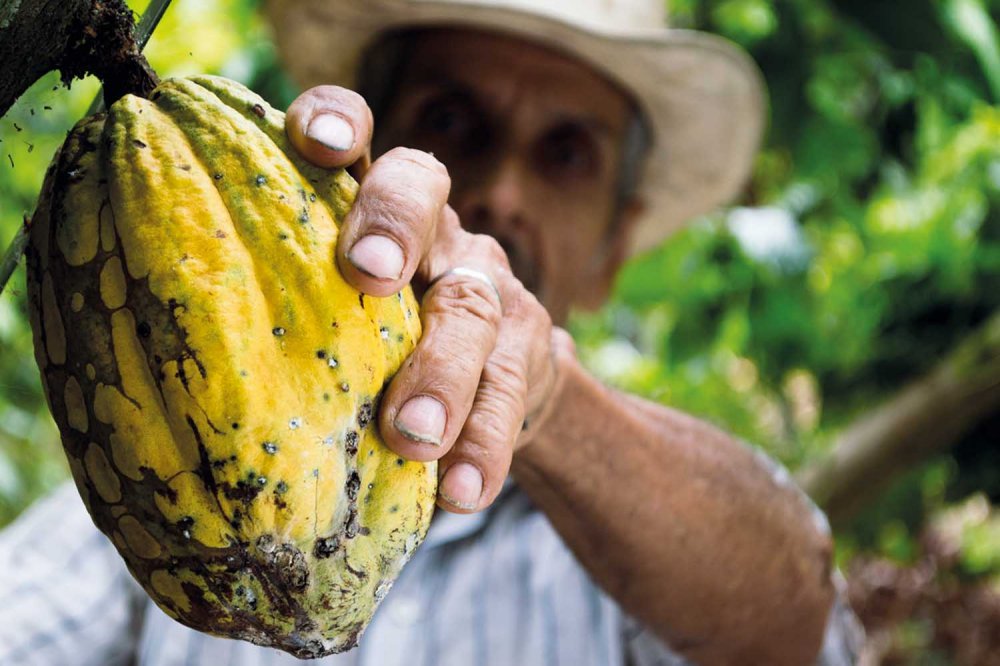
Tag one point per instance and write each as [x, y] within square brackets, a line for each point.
[330, 126]
[473, 471]
[393, 221]
[430, 397]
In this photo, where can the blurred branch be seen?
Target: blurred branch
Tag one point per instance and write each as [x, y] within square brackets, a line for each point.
[34, 36]
[925, 418]
[77, 37]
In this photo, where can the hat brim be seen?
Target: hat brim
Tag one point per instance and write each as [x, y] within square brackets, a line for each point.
[704, 97]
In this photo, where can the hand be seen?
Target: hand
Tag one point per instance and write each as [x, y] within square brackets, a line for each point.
[485, 360]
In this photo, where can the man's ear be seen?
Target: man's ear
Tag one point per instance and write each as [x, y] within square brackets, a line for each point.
[596, 286]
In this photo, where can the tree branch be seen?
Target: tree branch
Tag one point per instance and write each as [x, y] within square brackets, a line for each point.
[77, 37]
[926, 418]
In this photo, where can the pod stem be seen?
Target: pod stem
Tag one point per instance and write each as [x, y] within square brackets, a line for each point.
[107, 48]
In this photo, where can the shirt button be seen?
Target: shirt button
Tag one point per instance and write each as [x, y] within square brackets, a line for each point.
[405, 611]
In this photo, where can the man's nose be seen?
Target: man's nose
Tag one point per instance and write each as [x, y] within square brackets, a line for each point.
[495, 202]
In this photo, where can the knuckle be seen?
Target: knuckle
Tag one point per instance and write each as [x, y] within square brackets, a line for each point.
[503, 375]
[421, 159]
[450, 366]
[463, 298]
[490, 249]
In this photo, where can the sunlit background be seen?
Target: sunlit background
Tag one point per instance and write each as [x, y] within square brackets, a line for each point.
[858, 277]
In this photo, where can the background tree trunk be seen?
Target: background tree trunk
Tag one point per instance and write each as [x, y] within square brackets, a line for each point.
[926, 418]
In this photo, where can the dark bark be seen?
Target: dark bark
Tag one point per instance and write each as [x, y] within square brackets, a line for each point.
[926, 418]
[77, 37]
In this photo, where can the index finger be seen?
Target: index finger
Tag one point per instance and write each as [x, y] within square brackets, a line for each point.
[330, 126]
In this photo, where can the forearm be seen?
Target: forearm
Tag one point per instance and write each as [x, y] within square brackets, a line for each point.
[681, 525]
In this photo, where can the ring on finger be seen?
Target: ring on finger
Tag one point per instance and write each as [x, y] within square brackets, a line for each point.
[473, 273]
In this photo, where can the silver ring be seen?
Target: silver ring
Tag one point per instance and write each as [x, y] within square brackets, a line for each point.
[465, 271]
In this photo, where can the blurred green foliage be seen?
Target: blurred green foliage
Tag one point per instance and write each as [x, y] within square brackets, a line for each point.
[866, 246]
[870, 245]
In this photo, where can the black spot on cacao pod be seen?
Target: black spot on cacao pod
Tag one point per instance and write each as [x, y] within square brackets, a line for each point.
[365, 414]
[261, 179]
[278, 331]
[326, 547]
[400, 462]
[351, 524]
[258, 110]
[320, 354]
[269, 447]
[265, 543]
[217, 176]
[236, 426]
[138, 144]
[291, 566]
[248, 596]
[351, 442]
[280, 488]
[353, 485]
[185, 524]
[345, 387]
[143, 329]
[361, 300]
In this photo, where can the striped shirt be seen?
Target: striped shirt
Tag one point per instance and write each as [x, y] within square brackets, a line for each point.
[495, 588]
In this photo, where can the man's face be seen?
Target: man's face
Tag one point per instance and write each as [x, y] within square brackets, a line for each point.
[532, 140]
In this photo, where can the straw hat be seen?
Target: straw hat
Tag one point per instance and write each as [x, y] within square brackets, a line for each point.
[703, 97]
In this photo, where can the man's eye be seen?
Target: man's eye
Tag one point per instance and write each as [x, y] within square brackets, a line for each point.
[446, 119]
[568, 151]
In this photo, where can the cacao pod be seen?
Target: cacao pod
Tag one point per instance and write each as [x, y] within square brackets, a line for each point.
[214, 378]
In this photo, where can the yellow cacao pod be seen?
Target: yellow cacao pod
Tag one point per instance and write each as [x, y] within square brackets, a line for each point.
[214, 378]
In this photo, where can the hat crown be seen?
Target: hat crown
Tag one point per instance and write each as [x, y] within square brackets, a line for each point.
[607, 15]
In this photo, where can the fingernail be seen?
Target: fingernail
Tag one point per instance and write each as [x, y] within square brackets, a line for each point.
[422, 419]
[462, 486]
[378, 256]
[332, 131]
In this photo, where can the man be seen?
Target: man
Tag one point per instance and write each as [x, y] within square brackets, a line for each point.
[570, 134]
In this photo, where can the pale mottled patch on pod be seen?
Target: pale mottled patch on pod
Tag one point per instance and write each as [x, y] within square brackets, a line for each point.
[55, 332]
[170, 587]
[113, 283]
[76, 410]
[139, 540]
[229, 376]
[102, 476]
[107, 227]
